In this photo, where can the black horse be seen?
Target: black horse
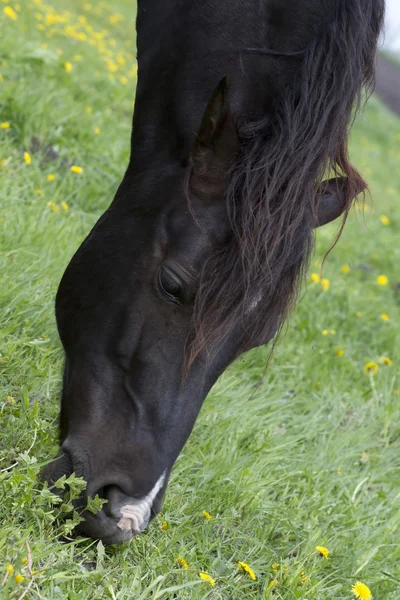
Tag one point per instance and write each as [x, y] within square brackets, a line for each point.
[242, 111]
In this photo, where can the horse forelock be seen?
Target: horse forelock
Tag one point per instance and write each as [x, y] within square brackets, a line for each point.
[252, 282]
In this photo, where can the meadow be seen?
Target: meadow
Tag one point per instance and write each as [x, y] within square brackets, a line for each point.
[305, 455]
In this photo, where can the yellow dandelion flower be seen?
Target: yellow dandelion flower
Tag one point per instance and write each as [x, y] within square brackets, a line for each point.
[315, 278]
[76, 169]
[325, 284]
[124, 80]
[27, 158]
[38, 192]
[323, 551]
[345, 268]
[182, 562]
[207, 515]
[64, 206]
[361, 591]
[382, 280]
[10, 13]
[206, 577]
[1, 78]
[54, 207]
[25, 559]
[10, 400]
[275, 567]
[384, 220]
[371, 368]
[304, 577]
[5, 125]
[339, 471]
[164, 526]
[51, 177]
[340, 352]
[358, 314]
[384, 360]
[19, 578]
[10, 568]
[272, 583]
[325, 332]
[332, 331]
[97, 130]
[89, 110]
[68, 66]
[385, 317]
[246, 569]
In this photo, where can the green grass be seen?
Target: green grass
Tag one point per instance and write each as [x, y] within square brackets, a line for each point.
[309, 456]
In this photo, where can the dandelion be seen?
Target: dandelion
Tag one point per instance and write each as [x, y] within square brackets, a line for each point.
[206, 515]
[325, 332]
[384, 360]
[10, 569]
[38, 192]
[89, 110]
[10, 13]
[345, 268]
[358, 314]
[5, 125]
[68, 67]
[323, 551]
[54, 207]
[1, 77]
[164, 526]
[371, 368]
[124, 80]
[275, 567]
[384, 220]
[19, 578]
[339, 352]
[27, 158]
[97, 130]
[64, 206]
[361, 591]
[272, 583]
[385, 317]
[315, 278]
[51, 177]
[382, 280]
[304, 577]
[246, 569]
[206, 577]
[325, 284]
[182, 562]
[76, 169]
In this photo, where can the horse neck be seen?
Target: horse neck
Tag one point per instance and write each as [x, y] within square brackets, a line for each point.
[184, 50]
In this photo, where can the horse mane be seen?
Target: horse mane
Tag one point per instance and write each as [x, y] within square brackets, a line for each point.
[251, 283]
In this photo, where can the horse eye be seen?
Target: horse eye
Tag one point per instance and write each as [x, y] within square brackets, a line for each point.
[169, 285]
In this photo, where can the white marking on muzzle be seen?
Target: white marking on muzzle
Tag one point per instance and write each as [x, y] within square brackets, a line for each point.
[136, 514]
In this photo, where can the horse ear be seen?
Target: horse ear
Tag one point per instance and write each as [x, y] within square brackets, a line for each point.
[332, 201]
[216, 145]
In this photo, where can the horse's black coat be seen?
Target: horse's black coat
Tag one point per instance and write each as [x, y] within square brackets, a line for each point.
[201, 251]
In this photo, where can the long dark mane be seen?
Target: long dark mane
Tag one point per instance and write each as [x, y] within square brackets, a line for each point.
[253, 280]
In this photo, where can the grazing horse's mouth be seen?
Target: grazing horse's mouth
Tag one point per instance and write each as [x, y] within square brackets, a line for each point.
[122, 517]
